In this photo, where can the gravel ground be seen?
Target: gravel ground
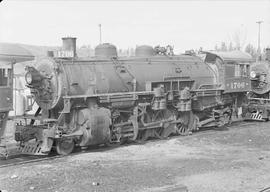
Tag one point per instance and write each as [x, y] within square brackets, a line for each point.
[232, 160]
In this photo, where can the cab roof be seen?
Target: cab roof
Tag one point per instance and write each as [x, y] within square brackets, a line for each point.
[238, 56]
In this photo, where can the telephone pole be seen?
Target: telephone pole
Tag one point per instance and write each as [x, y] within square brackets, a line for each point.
[99, 25]
[259, 38]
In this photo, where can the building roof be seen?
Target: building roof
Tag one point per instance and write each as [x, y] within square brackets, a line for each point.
[13, 52]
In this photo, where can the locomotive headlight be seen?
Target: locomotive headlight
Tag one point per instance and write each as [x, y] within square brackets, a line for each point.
[28, 78]
[253, 74]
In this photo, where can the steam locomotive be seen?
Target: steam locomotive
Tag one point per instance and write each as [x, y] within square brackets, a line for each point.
[258, 105]
[107, 99]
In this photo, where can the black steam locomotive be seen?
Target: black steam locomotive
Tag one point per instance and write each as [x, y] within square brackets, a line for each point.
[107, 99]
[258, 106]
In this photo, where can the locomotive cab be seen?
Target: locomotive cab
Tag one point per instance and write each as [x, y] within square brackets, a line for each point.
[232, 70]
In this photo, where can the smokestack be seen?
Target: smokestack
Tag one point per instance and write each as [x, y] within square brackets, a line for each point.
[69, 44]
[267, 54]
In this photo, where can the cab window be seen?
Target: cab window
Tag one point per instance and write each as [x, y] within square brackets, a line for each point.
[247, 70]
[237, 71]
[241, 70]
[4, 77]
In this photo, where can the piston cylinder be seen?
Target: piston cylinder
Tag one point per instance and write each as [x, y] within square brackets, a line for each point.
[162, 104]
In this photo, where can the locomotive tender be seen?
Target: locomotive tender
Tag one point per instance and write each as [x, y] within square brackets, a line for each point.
[258, 105]
[107, 99]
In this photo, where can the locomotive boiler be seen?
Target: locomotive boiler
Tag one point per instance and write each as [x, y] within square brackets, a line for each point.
[107, 99]
[258, 106]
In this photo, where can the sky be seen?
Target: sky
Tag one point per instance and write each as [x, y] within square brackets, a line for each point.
[181, 23]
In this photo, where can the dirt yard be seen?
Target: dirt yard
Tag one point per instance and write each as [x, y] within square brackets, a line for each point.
[227, 160]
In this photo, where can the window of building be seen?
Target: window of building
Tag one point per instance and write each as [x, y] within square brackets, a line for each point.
[4, 77]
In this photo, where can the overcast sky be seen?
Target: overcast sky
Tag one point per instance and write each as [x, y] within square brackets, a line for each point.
[183, 24]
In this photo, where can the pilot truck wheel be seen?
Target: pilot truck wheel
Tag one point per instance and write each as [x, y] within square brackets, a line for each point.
[64, 146]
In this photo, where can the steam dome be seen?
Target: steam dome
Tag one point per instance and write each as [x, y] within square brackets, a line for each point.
[144, 50]
[106, 50]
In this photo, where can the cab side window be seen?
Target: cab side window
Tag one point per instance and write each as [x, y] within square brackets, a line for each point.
[237, 71]
[245, 70]
[241, 70]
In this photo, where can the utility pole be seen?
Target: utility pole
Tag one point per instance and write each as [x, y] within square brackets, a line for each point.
[259, 38]
[100, 34]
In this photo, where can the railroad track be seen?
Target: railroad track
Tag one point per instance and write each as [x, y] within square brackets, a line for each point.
[25, 159]
[233, 125]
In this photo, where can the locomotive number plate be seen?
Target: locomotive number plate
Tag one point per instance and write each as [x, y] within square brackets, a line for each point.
[63, 54]
[237, 85]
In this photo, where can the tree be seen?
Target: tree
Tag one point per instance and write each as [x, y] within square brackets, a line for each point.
[216, 47]
[238, 38]
[223, 46]
[251, 50]
[231, 48]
